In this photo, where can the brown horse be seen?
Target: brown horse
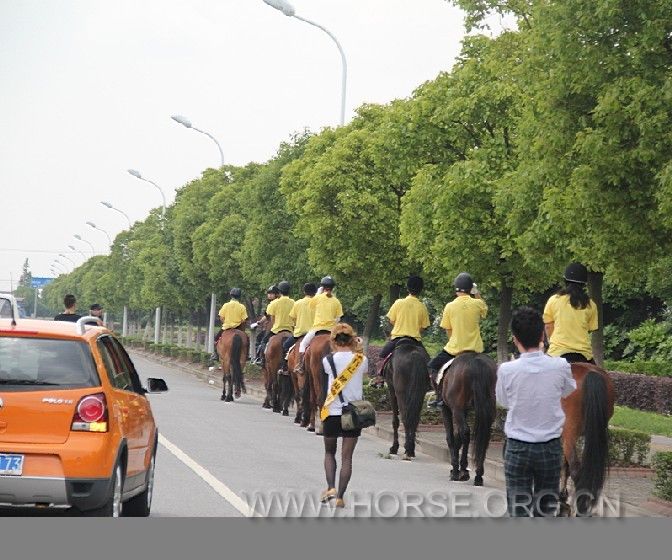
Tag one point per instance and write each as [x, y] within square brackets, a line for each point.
[587, 413]
[299, 385]
[469, 383]
[318, 349]
[232, 348]
[407, 377]
[273, 381]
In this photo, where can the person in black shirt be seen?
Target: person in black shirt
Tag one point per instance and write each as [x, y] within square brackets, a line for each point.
[70, 313]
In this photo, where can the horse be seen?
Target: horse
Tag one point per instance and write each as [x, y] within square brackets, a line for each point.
[273, 382]
[406, 376]
[469, 383]
[299, 385]
[318, 349]
[232, 348]
[587, 413]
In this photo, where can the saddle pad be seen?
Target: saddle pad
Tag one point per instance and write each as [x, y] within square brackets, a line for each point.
[443, 370]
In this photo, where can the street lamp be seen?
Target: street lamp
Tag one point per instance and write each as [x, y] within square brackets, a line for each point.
[287, 9]
[184, 121]
[108, 205]
[73, 262]
[93, 250]
[59, 262]
[73, 248]
[137, 175]
[94, 226]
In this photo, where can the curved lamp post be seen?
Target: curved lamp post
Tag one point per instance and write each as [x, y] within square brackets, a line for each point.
[79, 237]
[108, 205]
[94, 226]
[184, 121]
[73, 248]
[65, 257]
[287, 9]
[137, 175]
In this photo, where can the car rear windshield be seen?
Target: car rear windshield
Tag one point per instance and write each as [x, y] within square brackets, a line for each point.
[5, 308]
[36, 363]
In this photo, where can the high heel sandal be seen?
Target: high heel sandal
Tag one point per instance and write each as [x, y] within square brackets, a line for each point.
[328, 494]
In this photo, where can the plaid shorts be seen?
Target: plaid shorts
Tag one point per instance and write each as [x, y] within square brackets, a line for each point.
[532, 472]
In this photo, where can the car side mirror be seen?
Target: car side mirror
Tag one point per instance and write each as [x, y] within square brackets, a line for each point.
[156, 385]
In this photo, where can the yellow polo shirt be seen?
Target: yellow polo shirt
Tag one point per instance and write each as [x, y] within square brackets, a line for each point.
[232, 314]
[462, 317]
[303, 316]
[280, 309]
[571, 327]
[409, 316]
[327, 311]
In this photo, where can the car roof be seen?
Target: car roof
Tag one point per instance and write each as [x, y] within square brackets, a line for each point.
[46, 329]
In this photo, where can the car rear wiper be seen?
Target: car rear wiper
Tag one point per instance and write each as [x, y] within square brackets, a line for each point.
[24, 382]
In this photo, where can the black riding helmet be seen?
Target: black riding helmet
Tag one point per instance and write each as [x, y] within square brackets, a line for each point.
[414, 284]
[309, 289]
[327, 282]
[284, 287]
[236, 293]
[577, 273]
[463, 282]
[273, 290]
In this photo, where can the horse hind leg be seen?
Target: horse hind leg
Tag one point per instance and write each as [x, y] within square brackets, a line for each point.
[395, 419]
[447, 416]
[465, 437]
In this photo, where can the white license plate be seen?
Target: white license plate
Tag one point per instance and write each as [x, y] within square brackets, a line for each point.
[11, 465]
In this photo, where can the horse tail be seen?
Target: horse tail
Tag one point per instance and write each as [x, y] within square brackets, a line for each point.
[416, 387]
[483, 377]
[236, 370]
[595, 456]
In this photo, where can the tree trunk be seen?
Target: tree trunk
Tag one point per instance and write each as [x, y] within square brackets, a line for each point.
[595, 281]
[371, 320]
[395, 292]
[506, 297]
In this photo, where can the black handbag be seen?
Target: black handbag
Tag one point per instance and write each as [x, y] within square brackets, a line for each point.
[355, 414]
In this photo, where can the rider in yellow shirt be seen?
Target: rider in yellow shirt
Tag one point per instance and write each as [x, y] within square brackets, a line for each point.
[328, 311]
[265, 322]
[570, 316]
[303, 316]
[462, 320]
[233, 315]
[409, 317]
[279, 311]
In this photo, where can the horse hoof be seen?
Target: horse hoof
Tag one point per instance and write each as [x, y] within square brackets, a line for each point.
[406, 457]
[285, 412]
[478, 481]
[464, 476]
[454, 475]
[229, 398]
[303, 424]
[394, 449]
[266, 405]
[222, 398]
[310, 428]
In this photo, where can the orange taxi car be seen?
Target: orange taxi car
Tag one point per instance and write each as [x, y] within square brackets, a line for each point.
[76, 429]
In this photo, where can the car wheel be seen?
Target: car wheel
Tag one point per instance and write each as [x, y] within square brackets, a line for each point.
[140, 505]
[112, 507]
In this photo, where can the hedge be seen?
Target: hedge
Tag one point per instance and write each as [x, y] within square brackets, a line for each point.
[628, 447]
[662, 465]
[644, 392]
[657, 369]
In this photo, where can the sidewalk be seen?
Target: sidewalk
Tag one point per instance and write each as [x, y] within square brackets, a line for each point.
[631, 487]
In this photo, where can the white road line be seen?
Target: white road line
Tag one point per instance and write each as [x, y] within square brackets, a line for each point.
[222, 489]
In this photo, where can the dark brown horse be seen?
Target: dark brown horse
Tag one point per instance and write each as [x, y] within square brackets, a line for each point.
[318, 349]
[469, 383]
[587, 413]
[407, 376]
[274, 383]
[299, 385]
[232, 348]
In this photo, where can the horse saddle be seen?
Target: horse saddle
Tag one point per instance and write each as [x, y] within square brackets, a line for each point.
[443, 370]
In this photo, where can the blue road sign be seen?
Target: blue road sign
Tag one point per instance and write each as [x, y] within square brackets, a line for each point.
[40, 282]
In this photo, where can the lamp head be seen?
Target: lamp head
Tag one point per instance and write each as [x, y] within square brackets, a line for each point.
[184, 121]
[135, 173]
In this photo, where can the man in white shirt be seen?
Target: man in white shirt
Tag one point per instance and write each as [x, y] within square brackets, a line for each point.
[531, 388]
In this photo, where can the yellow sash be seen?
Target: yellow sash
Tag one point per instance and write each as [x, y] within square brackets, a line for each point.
[340, 382]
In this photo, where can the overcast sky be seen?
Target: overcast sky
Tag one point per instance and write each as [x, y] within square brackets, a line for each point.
[87, 88]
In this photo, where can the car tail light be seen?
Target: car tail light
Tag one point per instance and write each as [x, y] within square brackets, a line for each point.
[91, 414]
